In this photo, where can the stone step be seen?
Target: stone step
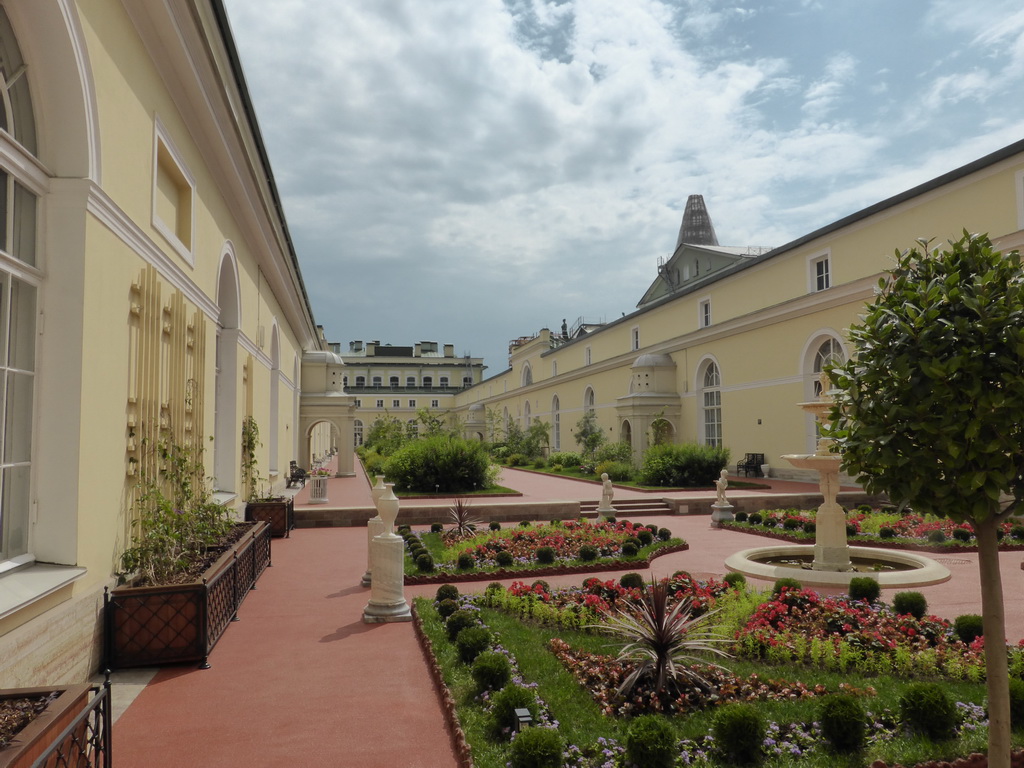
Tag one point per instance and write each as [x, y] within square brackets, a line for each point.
[630, 507]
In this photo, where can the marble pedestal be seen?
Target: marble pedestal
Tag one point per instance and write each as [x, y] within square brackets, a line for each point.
[721, 513]
[606, 511]
[387, 592]
[374, 528]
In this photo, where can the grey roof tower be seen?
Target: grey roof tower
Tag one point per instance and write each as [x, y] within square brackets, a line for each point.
[696, 228]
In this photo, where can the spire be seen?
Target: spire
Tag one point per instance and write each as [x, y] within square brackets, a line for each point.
[696, 228]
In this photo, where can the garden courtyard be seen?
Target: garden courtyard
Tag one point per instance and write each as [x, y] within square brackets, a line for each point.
[301, 680]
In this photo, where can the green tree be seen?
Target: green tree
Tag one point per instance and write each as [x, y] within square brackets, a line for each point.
[588, 433]
[930, 410]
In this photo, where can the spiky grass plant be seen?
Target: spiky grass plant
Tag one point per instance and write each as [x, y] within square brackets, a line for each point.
[661, 643]
[464, 522]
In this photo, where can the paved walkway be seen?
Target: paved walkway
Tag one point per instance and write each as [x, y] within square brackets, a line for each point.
[301, 681]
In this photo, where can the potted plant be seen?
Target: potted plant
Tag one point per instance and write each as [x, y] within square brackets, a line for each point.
[188, 569]
[277, 511]
[32, 719]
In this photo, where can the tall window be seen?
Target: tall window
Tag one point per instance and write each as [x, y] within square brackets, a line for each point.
[527, 375]
[376, 381]
[19, 283]
[443, 381]
[586, 356]
[829, 353]
[357, 432]
[360, 381]
[428, 381]
[526, 415]
[704, 319]
[410, 381]
[588, 400]
[711, 400]
[393, 381]
[635, 338]
[821, 277]
[557, 423]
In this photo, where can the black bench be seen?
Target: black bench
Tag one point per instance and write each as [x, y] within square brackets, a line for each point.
[751, 464]
[296, 475]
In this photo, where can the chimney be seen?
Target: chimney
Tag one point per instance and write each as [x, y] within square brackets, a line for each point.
[449, 350]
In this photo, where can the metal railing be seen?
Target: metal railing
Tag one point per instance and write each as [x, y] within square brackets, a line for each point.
[85, 743]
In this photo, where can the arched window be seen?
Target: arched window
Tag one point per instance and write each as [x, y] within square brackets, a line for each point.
[393, 381]
[526, 415]
[829, 353]
[556, 419]
[410, 381]
[527, 375]
[711, 405]
[428, 381]
[443, 381]
[357, 432]
[376, 381]
[588, 400]
[360, 381]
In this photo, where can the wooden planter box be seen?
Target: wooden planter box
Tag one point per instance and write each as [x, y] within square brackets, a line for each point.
[38, 736]
[278, 513]
[147, 626]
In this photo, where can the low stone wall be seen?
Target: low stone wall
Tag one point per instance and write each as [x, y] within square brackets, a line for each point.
[424, 514]
[748, 504]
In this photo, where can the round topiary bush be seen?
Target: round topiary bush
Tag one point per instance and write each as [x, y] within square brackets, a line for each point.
[740, 517]
[436, 527]
[425, 563]
[447, 592]
[494, 588]
[885, 532]
[645, 537]
[504, 705]
[735, 579]
[631, 581]
[524, 523]
[962, 534]
[664, 534]
[1017, 532]
[927, 709]
[910, 603]
[447, 607]
[588, 553]
[851, 529]
[1016, 703]
[864, 588]
[810, 527]
[738, 730]
[651, 742]
[611, 519]
[781, 584]
[791, 523]
[494, 525]
[629, 549]
[458, 621]
[471, 642]
[540, 462]
[843, 722]
[545, 555]
[491, 670]
[465, 562]
[936, 536]
[403, 529]
[968, 627]
[755, 518]
[504, 558]
[541, 584]
[536, 748]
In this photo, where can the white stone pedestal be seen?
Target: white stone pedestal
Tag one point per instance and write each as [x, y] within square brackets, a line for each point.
[318, 489]
[387, 593]
[721, 513]
[605, 511]
[374, 526]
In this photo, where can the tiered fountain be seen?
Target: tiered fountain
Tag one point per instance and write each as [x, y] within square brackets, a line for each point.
[831, 561]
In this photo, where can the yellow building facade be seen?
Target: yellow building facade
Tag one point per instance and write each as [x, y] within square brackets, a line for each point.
[149, 287]
[725, 354]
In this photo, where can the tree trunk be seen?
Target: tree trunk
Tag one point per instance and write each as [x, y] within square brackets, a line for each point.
[994, 627]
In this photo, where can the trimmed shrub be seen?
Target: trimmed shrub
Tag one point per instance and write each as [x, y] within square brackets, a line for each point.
[403, 529]
[936, 536]
[927, 709]
[741, 516]
[539, 463]
[664, 534]
[537, 748]
[542, 584]
[755, 518]
[1017, 532]
[504, 558]
[681, 465]
[810, 527]
[651, 527]
[1016, 704]
[611, 519]
[565, 458]
[495, 587]
[618, 471]
[735, 579]
[425, 563]
[968, 627]
[621, 451]
[491, 671]
[516, 460]
[962, 534]
[458, 621]
[631, 580]
[645, 536]
[465, 562]
[629, 549]
[791, 523]
[494, 525]
[651, 742]
[851, 529]
[546, 555]
[446, 592]
[885, 532]
[436, 527]
[471, 642]
[739, 731]
[504, 705]
[864, 588]
[440, 462]
[524, 523]
[843, 722]
[780, 584]
[588, 553]
[912, 603]
[447, 607]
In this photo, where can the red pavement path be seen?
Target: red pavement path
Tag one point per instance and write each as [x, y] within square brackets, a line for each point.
[301, 681]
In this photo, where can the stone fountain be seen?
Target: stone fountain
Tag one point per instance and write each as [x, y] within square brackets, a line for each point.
[834, 561]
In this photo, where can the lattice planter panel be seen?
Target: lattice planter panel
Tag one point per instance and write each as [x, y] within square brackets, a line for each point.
[278, 513]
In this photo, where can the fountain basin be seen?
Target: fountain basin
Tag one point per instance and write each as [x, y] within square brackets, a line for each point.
[915, 570]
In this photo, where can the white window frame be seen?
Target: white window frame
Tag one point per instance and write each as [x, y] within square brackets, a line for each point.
[396, 403]
[634, 334]
[710, 404]
[587, 356]
[380, 403]
[162, 139]
[434, 403]
[704, 312]
[813, 279]
[412, 403]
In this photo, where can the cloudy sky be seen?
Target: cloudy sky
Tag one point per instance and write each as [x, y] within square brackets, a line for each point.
[471, 171]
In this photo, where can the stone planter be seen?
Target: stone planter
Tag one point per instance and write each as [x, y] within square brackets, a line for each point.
[278, 513]
[148, 626]
[37, 738]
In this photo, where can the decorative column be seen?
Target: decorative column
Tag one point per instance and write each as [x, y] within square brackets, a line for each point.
[387, 596]
[375, 525]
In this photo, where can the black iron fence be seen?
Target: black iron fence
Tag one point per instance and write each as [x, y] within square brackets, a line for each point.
[85, 743]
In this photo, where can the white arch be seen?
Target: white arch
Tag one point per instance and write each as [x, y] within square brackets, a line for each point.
[527, 375]
[556, 423]
[589, 400]
[229, 292]
[709, 404]
[275, 396]
[807, 360]
[225, 467]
